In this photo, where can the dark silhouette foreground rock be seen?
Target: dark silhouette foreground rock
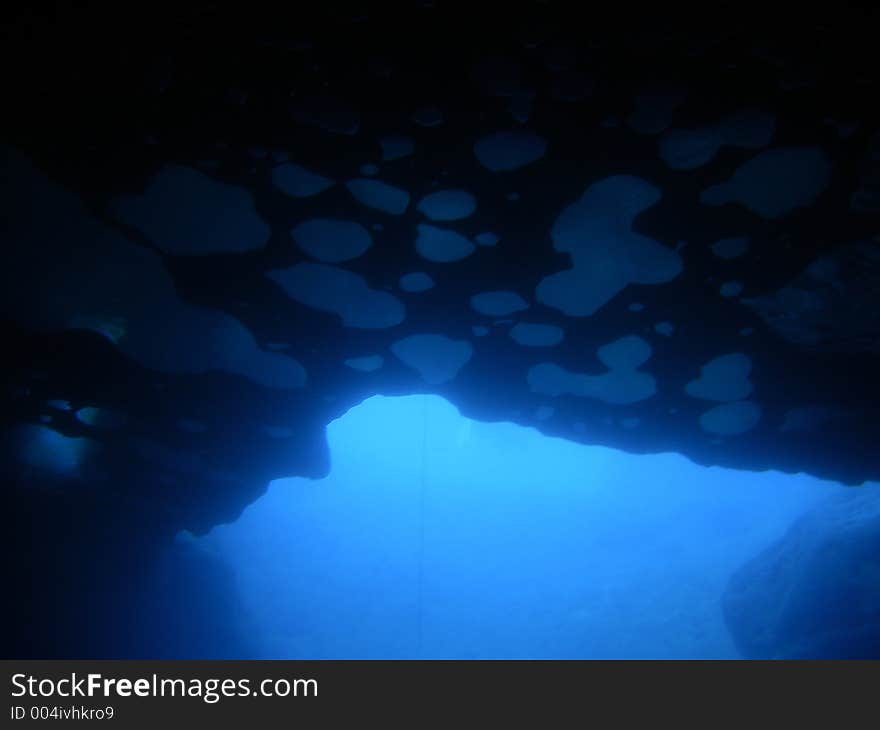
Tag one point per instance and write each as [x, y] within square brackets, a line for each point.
[813, 595]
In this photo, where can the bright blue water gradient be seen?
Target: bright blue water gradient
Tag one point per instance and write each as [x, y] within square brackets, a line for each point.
[436, 536]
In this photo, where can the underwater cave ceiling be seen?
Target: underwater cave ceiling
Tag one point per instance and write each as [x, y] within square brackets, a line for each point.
[655, 236]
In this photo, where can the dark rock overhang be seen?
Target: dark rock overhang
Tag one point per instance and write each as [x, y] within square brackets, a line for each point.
[691, 201]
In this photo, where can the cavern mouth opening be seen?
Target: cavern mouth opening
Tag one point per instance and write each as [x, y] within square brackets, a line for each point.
[437, 536]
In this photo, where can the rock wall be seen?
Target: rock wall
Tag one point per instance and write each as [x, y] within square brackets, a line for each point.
[814, 594]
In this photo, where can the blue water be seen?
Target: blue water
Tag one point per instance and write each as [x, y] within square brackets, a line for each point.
[435, 536]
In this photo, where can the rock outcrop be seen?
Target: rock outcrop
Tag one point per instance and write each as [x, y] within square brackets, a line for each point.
[814, 594]
[653, 232]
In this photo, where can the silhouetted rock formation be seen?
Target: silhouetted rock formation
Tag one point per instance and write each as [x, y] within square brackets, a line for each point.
[654, 232]
[814, 594]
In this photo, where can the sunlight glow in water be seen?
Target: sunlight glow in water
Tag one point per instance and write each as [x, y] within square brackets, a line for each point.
[440, 537]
